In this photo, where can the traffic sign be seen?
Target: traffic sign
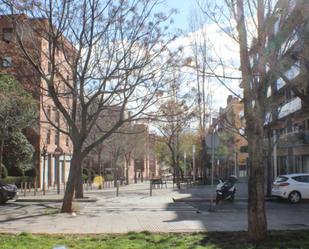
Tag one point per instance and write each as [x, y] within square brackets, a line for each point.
[212, 140]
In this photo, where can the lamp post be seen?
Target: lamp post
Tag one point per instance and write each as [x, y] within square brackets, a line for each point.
[185, 162]
[193, 157]
[57, 153]
[44, 154]
[212, 141]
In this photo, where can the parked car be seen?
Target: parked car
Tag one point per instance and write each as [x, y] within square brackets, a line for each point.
[7, 192]
[293, 187]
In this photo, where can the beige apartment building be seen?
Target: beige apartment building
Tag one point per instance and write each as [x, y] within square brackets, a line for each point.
[287, 119]
[42, 134]
[231, 127]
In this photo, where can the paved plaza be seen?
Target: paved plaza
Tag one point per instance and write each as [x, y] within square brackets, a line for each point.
[167, 210]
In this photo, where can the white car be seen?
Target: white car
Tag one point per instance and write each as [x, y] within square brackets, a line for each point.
[293, 187]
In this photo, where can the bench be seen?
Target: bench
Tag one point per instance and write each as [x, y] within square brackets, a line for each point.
[158, 182]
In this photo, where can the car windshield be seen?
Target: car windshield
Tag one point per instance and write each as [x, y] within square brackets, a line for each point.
[281, 179]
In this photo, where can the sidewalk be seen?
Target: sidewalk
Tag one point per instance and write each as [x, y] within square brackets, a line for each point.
[135, 210]
[191, 193]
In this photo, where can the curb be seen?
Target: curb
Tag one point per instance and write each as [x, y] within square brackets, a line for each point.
[86, 199]
[209, 199]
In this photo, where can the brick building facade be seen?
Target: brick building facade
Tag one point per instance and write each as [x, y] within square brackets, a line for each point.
[12, 60]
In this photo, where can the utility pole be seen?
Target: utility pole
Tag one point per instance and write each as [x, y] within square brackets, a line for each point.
[275, 154]
[235, 160]
[44, 154]
[212, 165]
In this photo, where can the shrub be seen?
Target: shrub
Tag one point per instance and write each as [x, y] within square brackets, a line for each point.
[4, 171]
[17, 180]
[15, 171]
[85, 177]
[30, 172]
[109, 177]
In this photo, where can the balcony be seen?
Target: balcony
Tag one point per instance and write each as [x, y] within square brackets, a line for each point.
[289, 107]
[294, 138]
[291, 139]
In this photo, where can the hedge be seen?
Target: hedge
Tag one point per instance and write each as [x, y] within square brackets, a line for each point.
[16, 180]
[4, 171]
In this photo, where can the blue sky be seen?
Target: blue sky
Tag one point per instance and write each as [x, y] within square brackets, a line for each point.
[184, 8]
[222, 46]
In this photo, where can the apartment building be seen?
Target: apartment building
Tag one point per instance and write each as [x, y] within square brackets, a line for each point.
[234, 159]
[129, 153]
[43, 136]
[143, 158]
[288, 116]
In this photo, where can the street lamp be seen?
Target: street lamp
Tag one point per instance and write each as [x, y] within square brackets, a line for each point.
[185, 162]
[44, 154]
[57, 153]
[193, 157]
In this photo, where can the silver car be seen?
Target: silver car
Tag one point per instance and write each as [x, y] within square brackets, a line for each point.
[293, 187]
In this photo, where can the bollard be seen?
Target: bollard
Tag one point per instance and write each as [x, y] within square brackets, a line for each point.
[25, 188]
[117, 189]
[29, 187]
[34, 192]
[150, 193]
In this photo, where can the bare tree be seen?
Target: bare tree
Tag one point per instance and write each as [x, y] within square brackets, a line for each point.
[262, 30]
[245, 22]
[98, 55]
[174, 117]
[199, 46]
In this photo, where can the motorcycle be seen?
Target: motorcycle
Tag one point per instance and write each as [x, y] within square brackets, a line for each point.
[226, 189]
[7, 192]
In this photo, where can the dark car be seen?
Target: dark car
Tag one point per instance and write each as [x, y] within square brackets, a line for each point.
[7, 192]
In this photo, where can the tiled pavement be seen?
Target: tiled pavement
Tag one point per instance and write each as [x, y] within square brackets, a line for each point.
[135, 210]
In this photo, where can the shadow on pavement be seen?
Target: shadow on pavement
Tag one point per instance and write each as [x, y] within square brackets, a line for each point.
[15, 211]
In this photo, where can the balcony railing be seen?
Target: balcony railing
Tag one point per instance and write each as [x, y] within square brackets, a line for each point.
[294, 138]
[289, 107]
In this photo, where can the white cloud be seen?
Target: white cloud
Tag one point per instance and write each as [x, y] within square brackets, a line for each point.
[221, 48]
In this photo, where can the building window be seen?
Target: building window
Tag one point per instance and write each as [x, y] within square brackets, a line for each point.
[48, 112]
[7, 62]
[56, 137]
[67, 141]
[7, 35]
[57, 117]
[48, 137]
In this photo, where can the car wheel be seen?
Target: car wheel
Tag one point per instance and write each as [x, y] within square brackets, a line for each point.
[295, 197]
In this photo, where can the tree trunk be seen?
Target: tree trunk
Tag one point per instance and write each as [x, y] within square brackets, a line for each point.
[257, 222]
[127, 169]
[269, 164]
[254, 115]
[176, 170]
[204, 160]
[1, 155]
[69, 191]
[79, 190]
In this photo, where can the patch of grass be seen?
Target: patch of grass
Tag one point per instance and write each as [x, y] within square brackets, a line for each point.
[51, 211]
[132, 240]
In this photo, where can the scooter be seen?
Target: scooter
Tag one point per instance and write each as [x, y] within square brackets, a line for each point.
[7, 192]
[226, 189]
